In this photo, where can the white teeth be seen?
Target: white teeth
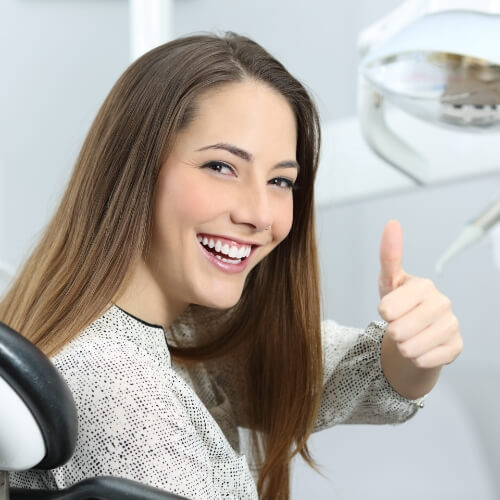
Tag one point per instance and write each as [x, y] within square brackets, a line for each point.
[229, 261]
[231, 251]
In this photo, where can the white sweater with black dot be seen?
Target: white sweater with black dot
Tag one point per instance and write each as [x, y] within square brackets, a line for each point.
[145, 418]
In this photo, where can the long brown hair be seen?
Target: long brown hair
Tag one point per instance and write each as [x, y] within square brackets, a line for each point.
[104, 222]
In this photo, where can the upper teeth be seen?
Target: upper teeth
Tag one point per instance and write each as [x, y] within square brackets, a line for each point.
[231, 251]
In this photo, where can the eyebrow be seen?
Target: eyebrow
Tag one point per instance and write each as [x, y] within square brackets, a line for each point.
[245, 155]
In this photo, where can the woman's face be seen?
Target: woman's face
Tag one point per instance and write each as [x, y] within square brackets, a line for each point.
[227, 179]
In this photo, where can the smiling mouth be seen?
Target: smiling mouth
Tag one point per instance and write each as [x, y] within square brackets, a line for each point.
[230, 254]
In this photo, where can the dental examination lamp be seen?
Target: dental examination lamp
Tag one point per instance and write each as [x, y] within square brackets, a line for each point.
[438, 61]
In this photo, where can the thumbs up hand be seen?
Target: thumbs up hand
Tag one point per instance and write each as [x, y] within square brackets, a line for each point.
[421, 323]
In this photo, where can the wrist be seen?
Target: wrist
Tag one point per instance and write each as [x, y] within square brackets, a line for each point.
[407, 379]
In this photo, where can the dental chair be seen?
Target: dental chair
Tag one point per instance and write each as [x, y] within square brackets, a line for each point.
[38, 428]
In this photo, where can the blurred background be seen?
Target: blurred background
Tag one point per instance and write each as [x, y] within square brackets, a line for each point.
[60, 59]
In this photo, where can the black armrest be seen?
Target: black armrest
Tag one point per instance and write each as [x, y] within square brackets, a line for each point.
[98, 488]
[31, 374]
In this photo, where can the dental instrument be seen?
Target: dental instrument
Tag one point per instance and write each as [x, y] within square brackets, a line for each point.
[473, 232]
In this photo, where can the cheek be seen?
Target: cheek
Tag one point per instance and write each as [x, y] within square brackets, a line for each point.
[283, 220]
[184, 201]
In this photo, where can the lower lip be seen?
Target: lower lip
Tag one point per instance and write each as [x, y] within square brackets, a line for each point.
[225, 266]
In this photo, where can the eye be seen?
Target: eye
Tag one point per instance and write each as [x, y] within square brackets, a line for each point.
[219, 167]
[283, 183]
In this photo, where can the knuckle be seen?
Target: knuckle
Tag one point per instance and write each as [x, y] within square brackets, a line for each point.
[419, 363]
[383, 309]
[405, 351]
[446, 302]
[427, 283]
[395, 333]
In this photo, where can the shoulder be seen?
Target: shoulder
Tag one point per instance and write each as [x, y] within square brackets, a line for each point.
[111, 345]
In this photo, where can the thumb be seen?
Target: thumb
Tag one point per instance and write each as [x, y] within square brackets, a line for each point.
[391, 257]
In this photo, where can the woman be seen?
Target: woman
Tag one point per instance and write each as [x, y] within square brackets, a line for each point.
[189, 216]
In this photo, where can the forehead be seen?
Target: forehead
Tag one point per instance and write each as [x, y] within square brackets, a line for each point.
[249, 113]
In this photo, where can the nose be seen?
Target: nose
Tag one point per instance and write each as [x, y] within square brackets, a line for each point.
[253, 207]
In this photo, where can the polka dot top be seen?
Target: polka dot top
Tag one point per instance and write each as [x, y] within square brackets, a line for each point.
[143, 417]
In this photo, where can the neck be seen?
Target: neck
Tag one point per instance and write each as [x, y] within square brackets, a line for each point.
[143, 298]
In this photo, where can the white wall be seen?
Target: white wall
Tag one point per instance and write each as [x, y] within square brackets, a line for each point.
[59, 60]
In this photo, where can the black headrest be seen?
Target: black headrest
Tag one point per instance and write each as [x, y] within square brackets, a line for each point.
[35, 379]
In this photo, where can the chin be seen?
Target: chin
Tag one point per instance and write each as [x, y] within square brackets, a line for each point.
[219, 299]
[220, 304]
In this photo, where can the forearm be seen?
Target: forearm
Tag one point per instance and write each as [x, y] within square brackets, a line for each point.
[405, 378]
